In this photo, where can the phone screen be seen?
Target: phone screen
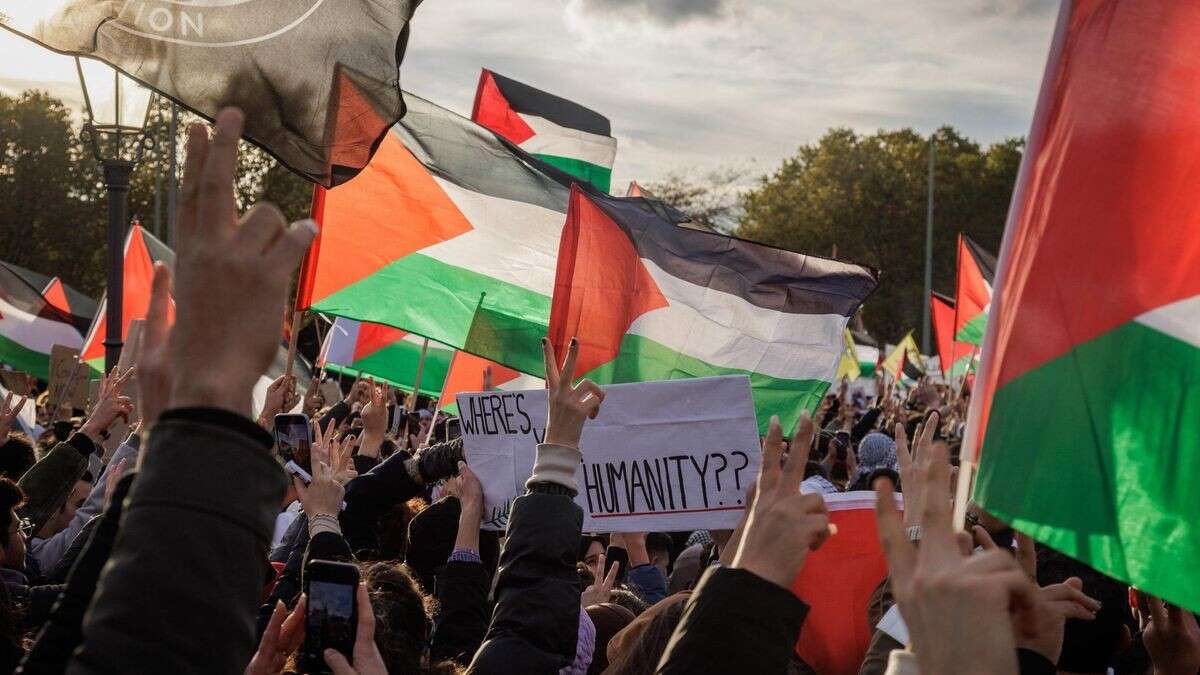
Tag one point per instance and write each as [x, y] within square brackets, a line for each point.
[293, 436]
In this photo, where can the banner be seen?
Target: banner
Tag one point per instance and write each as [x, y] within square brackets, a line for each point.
[661, 456]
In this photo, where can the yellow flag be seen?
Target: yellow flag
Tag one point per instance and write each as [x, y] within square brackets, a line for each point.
[848, 367]
[908, 351]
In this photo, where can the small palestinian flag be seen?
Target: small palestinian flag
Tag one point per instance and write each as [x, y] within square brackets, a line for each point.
[954, 357]
[389, 354]
[1087, 405]
[652, 301]
[142, 250]
[470, 373]
[561, 133]
[30, 326]
[848, 366]
[905, 361]
[976, 269]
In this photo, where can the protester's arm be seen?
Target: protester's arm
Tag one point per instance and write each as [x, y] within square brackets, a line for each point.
[643, 575]
[535, 623]
[749, 608]
[63, 631]
[188, 565]
[462, 586]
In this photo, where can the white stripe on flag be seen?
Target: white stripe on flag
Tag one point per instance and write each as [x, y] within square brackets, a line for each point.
[36, 333]
[552, 139]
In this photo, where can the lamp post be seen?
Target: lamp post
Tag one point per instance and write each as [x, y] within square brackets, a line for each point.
[117, 109]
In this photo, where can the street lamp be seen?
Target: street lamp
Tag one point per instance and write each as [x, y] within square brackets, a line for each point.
[117, 109]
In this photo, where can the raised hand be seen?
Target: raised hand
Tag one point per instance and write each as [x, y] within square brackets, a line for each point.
[941, 588]
[469, 491]
[9, 412]
[284, 635]
[111, 403]
[367, 660]
[601, 589]
[374, 417]
[325, 493]
[570, 405]
[151, 357]
[911, 479]
[1172, 637]
[281, 397]
[232, 276]
[314, 400]
[783, 525]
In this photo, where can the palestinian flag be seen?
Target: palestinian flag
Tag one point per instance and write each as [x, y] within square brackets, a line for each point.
[905, 360]
[848, 366]
[976, 269]
[652, 301]
[447, 216]
[1087, 406]
[318, 81]
[142, 250]
[561, 133]
[470, 373]
[78, 306]
[389, 354]
[30, 326]
[954, 357]
[867, 350]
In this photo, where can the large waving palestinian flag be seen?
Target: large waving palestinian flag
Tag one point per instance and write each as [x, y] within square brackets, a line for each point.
[30, 326]
[973, 297]
[78, 306]
[1088, 411]
[446, 216]
[142, 250]
[954, 357]
[560, 132]
[389, 354]
[652, 301]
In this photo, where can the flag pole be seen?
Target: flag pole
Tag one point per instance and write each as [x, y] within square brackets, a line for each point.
[416, 392]
[297, 317]
[928, 250]
[432, 424]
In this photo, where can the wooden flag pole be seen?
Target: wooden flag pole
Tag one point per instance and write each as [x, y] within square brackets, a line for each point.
[432, 424]
[297, 317]
[416, 392]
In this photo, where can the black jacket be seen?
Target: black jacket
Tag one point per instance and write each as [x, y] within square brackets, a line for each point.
[186, 572]
[370, 497]
[735, 622]
[535, 624]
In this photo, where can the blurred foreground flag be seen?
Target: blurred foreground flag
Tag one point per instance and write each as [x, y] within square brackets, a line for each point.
[561, 133]
[649, 300]
[359, 348]
[1086, 417]
[318, 79]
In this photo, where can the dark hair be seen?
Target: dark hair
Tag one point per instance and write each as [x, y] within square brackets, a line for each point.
[626, 597]
[402, 619]
[641, 656]
[585, 542]
[586, 578]
[87, 477]
[814, 469]
[11, 496]
[16, 456]
[868, 481]
[658, 542]
[1088, 646]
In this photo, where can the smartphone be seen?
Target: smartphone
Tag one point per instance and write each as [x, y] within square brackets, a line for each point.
[332, 616]
[453, 428]
[293, 438]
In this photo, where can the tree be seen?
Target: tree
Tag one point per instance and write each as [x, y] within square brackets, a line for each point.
[712, 200]
[866, 196]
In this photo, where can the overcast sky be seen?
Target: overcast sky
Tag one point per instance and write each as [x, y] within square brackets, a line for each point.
[695, 84]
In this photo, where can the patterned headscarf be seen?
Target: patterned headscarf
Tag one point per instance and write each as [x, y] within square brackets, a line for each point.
[876, 451]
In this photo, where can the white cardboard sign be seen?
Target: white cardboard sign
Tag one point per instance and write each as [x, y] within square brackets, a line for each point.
[661, 456]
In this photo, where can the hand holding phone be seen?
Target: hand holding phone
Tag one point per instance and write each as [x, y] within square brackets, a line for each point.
[293, 438]
[332, 618]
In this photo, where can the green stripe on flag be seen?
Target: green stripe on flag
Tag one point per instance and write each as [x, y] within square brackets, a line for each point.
[972, 331]
[1096, 454]
[441, 302]
[600, 176]
[642, 359]
[24, 359]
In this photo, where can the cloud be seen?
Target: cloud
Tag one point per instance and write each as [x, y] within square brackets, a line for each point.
[665, 12]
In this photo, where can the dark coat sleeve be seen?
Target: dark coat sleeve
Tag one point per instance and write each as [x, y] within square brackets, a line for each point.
[48, 483]
[62, 633]
[864, 425]
[371, 496]
[189, 561]
[735, 622]
[462, 589]
[287, 587]
[535, 623]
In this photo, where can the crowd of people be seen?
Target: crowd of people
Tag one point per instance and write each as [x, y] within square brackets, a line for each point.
[184, 547]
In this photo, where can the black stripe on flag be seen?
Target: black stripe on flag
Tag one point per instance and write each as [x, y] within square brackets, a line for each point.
[526, 99]
[765, 276]
[986, 261]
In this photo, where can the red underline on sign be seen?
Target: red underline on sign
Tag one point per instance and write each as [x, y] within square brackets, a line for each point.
[660, 513]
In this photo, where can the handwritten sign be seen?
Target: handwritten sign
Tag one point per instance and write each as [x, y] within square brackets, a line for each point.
[671, 455]
[68, 378]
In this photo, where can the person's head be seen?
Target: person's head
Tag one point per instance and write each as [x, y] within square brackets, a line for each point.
[876, 451]
[658, 547]
[591, 547]
[402, 619]
[12, 541]
[608, 619]
[637, 649]
[629, 599]
[16, 456]
[687, 569]
[61, 518]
